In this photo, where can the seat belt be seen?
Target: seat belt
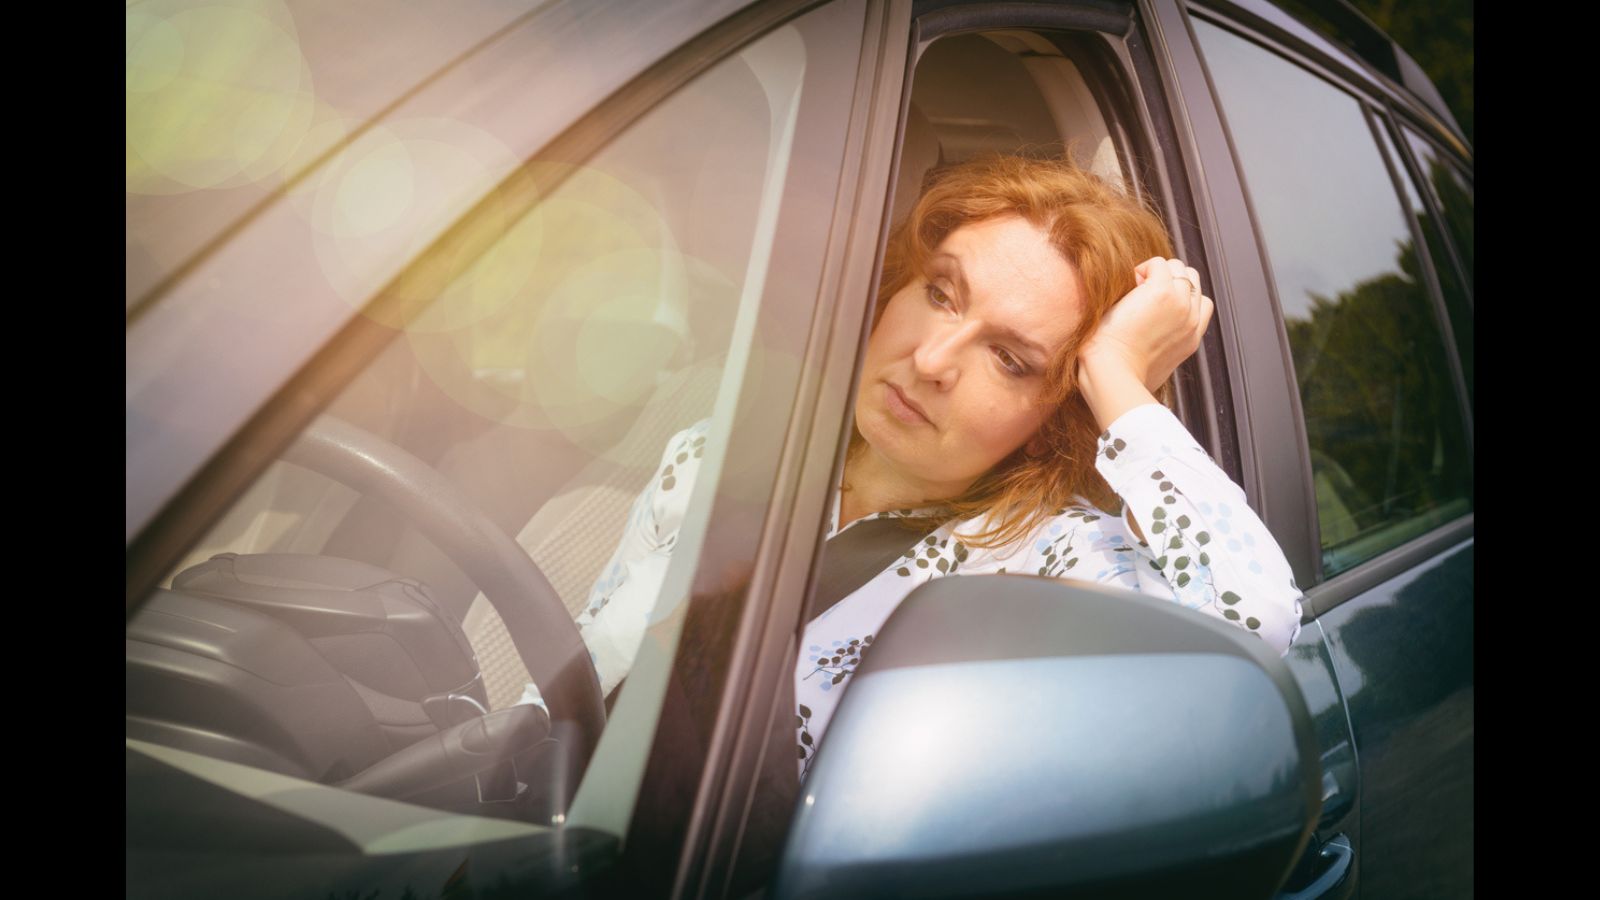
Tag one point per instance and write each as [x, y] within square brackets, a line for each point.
[854, 556]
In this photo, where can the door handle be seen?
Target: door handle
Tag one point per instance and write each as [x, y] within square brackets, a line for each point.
[1336, 856]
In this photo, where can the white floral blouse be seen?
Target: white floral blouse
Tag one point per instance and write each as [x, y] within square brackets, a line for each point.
[1207, 551]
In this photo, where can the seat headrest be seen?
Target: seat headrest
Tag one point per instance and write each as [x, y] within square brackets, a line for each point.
[919, 152]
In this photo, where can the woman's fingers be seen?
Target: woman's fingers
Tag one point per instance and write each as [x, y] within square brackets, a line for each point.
[1158, 324]
[1184, 287]
[1197, 308]
[1186, 273]
[1198, 303]
[1187, 278]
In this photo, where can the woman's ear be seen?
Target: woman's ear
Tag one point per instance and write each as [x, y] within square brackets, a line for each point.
[1035, 447]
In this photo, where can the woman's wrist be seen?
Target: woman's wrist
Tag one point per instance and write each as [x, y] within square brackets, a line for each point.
[1110, 387]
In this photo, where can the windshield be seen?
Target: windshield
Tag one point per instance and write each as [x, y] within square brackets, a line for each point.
[353, 632]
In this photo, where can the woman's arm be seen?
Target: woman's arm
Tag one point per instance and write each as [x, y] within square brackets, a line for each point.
[622, 598]
[1201, 543]
[1189, 521]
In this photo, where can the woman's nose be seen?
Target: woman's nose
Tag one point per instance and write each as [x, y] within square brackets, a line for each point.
[938, 357]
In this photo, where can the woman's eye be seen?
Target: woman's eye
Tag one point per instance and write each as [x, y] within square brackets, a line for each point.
[939, 298]
[1010, 363]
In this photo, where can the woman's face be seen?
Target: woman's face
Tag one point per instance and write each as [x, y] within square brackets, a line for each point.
[957, 362]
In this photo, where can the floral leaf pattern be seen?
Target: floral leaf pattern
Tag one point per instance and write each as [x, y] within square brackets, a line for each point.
[1202, 547]
[1183, 559]
[1191, 511]
[932, 556]
[1057, 558]
[831, 665]
[1183, 532]
[807, 745]
[619, 605]
[838, 662]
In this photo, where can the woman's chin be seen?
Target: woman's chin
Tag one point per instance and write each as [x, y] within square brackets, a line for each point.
[902, 444]
[878, 426]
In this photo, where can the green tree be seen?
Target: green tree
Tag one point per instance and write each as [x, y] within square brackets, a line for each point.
[1381, 411]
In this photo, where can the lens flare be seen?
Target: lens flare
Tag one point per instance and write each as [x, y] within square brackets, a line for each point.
[393, 192]
[218, 96]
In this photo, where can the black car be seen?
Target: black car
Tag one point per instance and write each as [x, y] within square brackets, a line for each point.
[417, 293]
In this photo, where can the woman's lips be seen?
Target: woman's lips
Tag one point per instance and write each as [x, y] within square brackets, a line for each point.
[902, 406]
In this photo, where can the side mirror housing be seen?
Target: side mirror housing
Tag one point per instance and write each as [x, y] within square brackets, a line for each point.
[1018, 736]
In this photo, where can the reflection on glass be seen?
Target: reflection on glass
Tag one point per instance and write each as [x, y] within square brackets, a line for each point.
[1457, 304]
[531, 389]
[1452, 192]
[1382, 420]
[1453, 197]
[228, 102]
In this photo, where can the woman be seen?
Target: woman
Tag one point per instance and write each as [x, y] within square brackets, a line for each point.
[1029, 316]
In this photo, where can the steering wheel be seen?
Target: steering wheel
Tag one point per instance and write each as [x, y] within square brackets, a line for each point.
[540, 628]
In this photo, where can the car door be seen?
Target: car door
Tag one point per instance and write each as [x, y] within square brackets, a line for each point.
[707, 212]
[1167, 119]
[1110, 77]
[1353, 355]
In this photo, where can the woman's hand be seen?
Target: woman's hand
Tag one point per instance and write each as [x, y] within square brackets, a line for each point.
[1155, 326]
[1143, 338]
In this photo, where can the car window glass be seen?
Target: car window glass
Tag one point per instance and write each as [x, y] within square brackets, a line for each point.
[1457, 303]
[1451, 191]
[228, 102]
[540, 387]
[1406, 184]
[1452, 229]
[1382, 416]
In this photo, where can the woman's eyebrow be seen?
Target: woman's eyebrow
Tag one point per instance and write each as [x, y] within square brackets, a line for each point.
[954, 263]
[1005, 331]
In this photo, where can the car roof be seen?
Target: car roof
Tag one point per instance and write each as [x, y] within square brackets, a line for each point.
[1339, 32]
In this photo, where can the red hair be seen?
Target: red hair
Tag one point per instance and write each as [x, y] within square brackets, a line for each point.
[1104, 234]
